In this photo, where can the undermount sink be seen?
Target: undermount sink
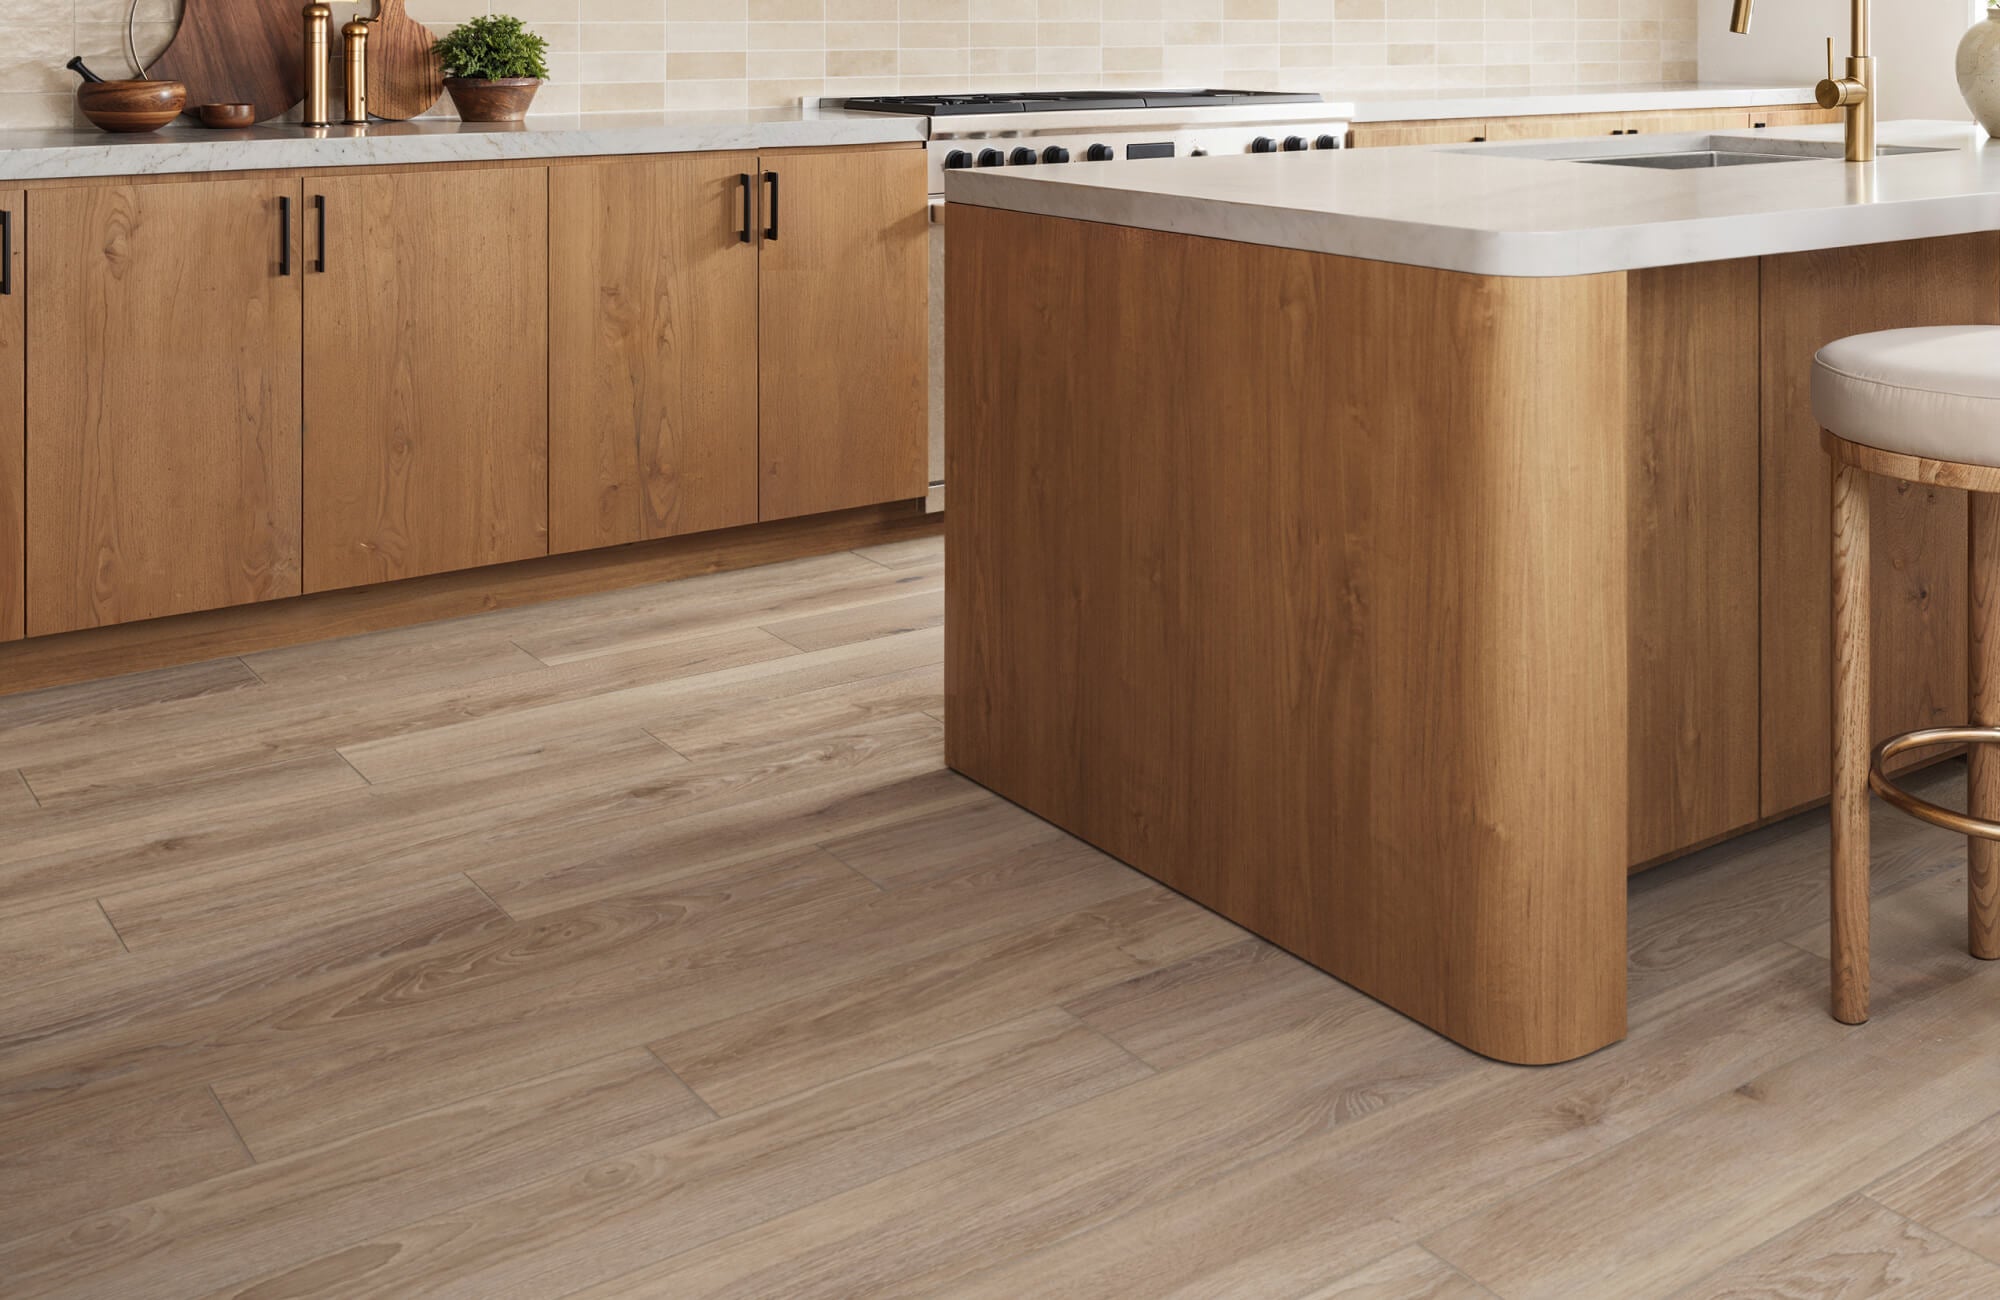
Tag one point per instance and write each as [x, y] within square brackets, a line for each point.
[1723, 153]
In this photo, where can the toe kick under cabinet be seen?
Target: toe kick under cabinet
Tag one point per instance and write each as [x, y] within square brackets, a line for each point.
[216, 390]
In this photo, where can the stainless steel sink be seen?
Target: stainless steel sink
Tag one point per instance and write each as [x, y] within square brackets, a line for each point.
[1725, 156]
[1683, 160]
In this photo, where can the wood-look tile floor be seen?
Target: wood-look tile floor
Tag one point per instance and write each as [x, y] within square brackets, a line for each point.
[641, 945]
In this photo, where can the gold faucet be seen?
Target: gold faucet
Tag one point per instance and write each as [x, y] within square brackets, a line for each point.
[1854, 92]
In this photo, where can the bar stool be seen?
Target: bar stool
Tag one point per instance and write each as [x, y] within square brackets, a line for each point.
[1921, 405]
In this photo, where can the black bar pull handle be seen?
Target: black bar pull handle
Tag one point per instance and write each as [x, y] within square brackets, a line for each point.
[319, 206]
[771, 231]
[743, 235]
[6, 251]
[284, 234]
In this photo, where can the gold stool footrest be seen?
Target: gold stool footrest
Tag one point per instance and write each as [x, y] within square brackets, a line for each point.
[1923, 809]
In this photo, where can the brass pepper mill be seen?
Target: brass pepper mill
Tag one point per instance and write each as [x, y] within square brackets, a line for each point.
[319, 26]
[354, 54]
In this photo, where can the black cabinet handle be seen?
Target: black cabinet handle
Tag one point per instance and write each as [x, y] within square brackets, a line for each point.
[743, 235]
[771, 231]
[6, 252]
[284, 234]
[319, 206]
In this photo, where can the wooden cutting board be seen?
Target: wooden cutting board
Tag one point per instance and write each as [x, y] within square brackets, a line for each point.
[404, 79]
[238, 52]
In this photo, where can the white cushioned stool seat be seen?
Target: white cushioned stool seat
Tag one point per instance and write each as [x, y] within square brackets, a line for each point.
[1932, 392]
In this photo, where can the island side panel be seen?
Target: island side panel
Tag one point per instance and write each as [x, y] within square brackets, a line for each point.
[1919, 601]
[1692, 338]
[1298, 582]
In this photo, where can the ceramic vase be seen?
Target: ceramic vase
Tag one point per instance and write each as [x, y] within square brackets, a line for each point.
[1979, 71]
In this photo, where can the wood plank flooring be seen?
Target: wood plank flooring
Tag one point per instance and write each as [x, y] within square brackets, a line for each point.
[640, 945]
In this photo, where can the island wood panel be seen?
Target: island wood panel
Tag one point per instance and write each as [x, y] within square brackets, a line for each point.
[1339, 651]
[163, 384]
[426, 381]
[1919, 588]
[14, 425]
[1810, 115]
[1560, 126]
[1702, 119]
[1692, 424]
[842, 330]
[652, 349]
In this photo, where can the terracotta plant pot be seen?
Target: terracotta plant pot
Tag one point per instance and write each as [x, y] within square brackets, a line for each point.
[131, 105]
[504, 99]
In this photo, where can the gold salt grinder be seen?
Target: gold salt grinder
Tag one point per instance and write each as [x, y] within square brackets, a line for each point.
[354, 55]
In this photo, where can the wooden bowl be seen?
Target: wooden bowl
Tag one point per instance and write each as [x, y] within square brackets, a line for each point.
[131, 105]
[225, 116]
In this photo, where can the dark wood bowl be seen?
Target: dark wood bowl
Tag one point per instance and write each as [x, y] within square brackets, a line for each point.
[504, 99]
[225, 116]
[131, 105]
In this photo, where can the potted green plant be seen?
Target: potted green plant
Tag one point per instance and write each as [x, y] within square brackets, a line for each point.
[493, 65]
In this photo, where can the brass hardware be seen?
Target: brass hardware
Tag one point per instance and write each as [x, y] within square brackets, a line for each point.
[1854, 92]
[1922, 809]
[354, 61]
[319, 24]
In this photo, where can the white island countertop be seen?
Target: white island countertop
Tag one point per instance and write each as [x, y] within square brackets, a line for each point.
[51, 154]
[1530, 209]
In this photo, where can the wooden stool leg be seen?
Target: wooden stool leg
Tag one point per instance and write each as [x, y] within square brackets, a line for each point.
[1982, 875]
[1850, 744]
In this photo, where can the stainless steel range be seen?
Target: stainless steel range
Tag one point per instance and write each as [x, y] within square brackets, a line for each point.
[1091, 127]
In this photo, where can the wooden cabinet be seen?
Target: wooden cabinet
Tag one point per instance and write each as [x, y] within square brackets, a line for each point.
[841, 330]
[1768, 117]
[1555, 126]
[163, 337]
[13, 420]
[426, 379]
[1389, 135]
[652, 348]
[1919, 593]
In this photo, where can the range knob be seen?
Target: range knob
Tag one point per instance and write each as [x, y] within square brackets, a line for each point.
[1327, 142]
[1021, 157]
[957, 158]
[1295, 144]
[1263, 144]
[991, 158]
[1055, 153]
[1099, 153]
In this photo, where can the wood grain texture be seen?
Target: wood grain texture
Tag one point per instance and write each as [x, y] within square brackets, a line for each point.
[426, 388]
[1187, 620]
[1557, 126]
[1804, 115]
[1692, 424]
[1919, 599]
[14, 426]
[1705, 119]
[1852, 1250]
[405, 78]
[1380, 135]
[842, 334]
[1983, 762]
[652, 350]
[161, 480]
[1853, 665]
[455, 1101]
[192, 638]
[237, 52]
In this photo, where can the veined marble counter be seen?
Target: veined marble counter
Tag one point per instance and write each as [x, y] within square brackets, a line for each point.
[1529, 209]
[45, 155]
[1639, 97]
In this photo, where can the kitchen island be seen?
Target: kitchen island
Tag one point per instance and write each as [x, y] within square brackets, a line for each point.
[1390, 550]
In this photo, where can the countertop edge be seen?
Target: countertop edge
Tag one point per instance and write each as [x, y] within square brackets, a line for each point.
[1444, 106]
[193, 150]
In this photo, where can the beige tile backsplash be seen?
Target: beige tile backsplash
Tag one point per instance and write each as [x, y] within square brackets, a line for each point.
[614, 55]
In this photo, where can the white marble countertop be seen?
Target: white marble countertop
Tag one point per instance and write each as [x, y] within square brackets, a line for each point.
[1419, 106]
[1529, 209]
[42, 155]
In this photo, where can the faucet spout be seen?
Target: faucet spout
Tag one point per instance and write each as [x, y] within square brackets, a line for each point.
[1739, 18]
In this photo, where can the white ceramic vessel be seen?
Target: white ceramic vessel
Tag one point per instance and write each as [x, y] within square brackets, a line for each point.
[1979, 71]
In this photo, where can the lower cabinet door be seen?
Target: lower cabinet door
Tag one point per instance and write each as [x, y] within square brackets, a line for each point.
[13, 421]
[842, 330]
[163, 399]
[653, 348]
[426, 373]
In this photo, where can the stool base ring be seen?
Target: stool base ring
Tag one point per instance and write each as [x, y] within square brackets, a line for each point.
[1922, 809]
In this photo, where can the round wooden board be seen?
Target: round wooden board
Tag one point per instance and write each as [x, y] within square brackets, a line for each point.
[238, 52]
[404, 79]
